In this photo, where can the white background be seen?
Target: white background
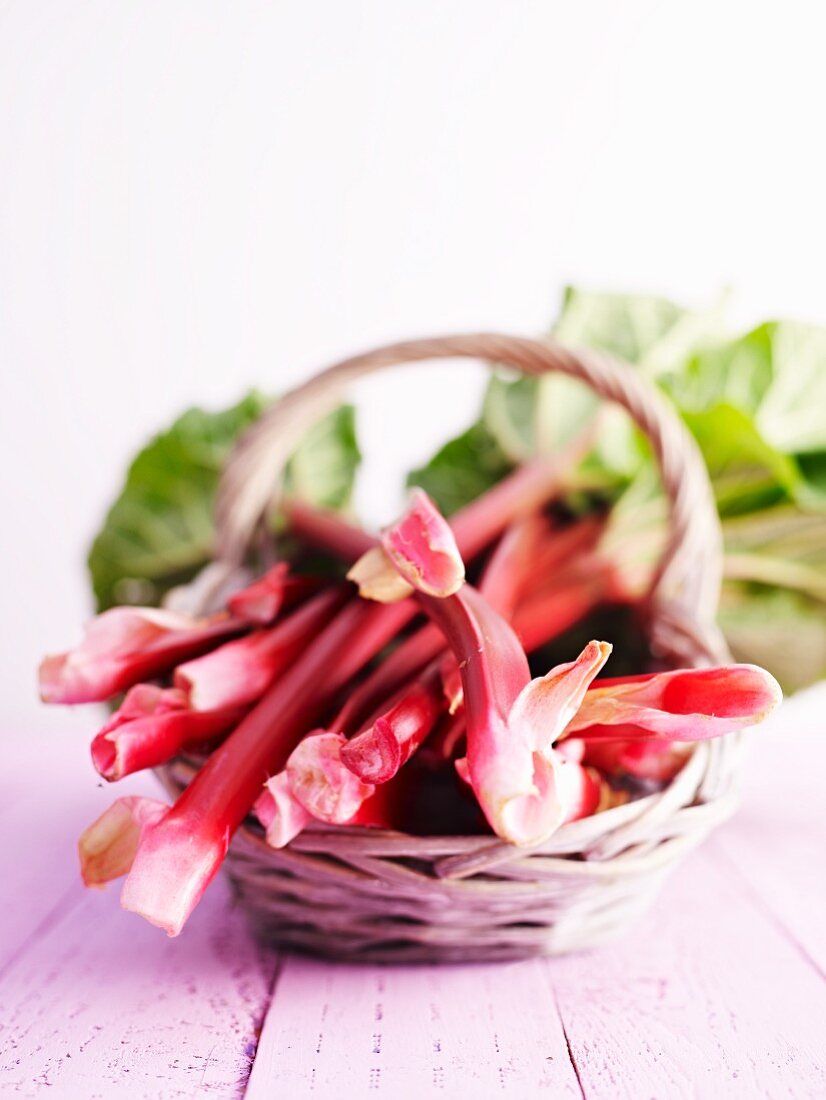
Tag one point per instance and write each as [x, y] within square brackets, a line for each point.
[199, 197]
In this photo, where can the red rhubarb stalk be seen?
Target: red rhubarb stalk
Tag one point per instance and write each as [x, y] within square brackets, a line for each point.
[178, 856]
[550, 611]
[408, 658]
[377, 753]
[261, 602]
[239, 672]
[127, 645]
[512, 721]
[151, 726]
[683, 705]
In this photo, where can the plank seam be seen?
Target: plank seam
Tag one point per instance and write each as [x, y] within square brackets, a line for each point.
[571, 1056]
[278, 969]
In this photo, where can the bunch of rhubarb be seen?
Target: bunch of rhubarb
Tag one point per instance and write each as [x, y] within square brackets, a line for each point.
[409, 689]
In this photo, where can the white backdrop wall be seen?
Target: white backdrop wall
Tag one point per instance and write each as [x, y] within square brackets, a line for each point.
[196, 197]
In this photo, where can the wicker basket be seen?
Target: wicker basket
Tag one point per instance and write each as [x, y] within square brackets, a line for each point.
[365, 894]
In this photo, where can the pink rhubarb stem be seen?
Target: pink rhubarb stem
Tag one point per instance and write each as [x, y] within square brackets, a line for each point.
[406, 660]
[153, 725]
[683, 705]
[388, 742]
[550, 611]
[239, 672]
[127, 645]
[512, 721]
[504, 580]
[511, 569]
[262, 601]
[178, 857]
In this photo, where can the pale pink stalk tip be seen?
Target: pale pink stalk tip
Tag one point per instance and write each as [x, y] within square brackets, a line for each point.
[322, 783]
[423, 549]
[683, 705]
[377, 578]
[107, 847]
[120, 647]
[113, 746]
[546, 705]
[151, 726]
[172, 868]
[280, 812]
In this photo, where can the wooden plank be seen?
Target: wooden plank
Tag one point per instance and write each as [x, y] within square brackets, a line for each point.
[776, 844]
[480, 1031]
[49, 794]
[104, 1006]
[705, 998]
[93, 1001]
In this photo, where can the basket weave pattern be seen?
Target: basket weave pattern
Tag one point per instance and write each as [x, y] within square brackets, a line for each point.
[382, 896]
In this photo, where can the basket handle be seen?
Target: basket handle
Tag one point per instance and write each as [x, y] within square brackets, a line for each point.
[685, 591]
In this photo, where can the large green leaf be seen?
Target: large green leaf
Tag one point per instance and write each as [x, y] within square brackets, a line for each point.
[792, 414]
[323, 469]
[776, 373]
[632, 327]
[159, 531]
[745, 470]
[462, 469]
[540, 415]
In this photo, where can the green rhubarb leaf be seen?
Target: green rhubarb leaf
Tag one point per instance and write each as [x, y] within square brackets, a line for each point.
[631, 327]
[323, 469]
[541, 415]
[159, 531]
[792, 414]
[462, 469]
[776, 373]
[746, 472]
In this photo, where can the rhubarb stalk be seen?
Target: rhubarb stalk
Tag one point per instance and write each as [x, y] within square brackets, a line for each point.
[126, 645]
[239, 672]
[151, 726]
[178, 856]
[377, 752]
[512, 721]
[684, 705]
[262, 601]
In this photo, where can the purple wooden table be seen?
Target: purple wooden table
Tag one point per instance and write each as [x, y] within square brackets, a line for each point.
[720, 991]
